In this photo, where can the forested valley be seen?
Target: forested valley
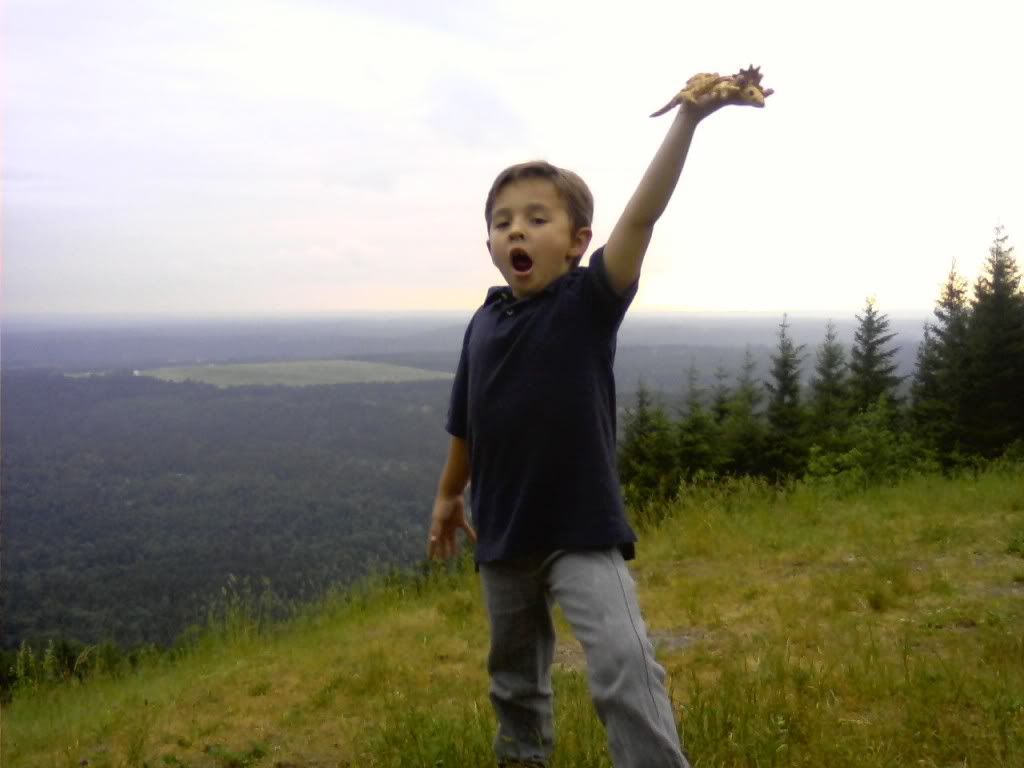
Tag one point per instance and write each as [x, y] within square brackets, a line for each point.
[128, 502]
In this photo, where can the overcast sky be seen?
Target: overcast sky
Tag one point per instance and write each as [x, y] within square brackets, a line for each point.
[305, 156]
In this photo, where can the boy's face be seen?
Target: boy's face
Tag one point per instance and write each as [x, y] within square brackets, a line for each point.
[531, 239]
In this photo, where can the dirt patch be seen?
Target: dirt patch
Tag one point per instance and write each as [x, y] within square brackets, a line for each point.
[670, 640]
[1016, 589]
[570, 656]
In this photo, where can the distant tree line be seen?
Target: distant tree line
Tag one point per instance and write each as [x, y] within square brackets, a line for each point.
[856, 420]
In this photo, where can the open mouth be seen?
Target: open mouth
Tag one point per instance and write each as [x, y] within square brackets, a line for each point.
[521, 261]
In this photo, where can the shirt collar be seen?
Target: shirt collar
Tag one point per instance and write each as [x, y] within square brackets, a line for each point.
[499, 293]
[503, 293]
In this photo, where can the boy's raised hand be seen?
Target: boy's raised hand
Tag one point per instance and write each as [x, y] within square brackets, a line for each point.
[703, 94]
[448, 517]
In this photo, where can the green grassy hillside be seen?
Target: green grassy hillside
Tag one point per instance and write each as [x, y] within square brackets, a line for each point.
[798, 628]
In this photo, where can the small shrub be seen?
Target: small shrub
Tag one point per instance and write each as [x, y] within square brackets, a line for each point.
[876, 454]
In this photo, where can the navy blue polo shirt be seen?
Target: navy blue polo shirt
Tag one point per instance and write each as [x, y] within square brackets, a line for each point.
[534, 397]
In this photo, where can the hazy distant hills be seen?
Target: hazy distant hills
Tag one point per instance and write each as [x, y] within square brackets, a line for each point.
[656, 348]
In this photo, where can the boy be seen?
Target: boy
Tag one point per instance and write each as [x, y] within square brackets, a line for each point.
[532, 423]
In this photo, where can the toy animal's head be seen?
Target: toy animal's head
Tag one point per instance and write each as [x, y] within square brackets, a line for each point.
[752, 96]
[751, 92]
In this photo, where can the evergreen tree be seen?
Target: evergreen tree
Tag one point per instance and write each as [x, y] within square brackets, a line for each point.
[743, 431]
[636, 428]
[747, 385]
[994, 403]
[786, 452]
[940, 377]
[647, 454]
[697, 432]
[872, 370]
[721, 395]
[829, 393]
[693, 399]
[929, 411]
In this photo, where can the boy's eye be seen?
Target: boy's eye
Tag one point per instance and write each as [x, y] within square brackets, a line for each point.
[538, 220]
[500, 224]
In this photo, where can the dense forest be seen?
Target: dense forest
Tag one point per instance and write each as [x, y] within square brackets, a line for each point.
[128, 502]
[857, 420]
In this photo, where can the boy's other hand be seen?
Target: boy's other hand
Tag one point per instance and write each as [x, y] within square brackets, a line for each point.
[448, 517]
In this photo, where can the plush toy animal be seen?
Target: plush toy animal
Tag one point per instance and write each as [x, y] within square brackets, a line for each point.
[742, 88]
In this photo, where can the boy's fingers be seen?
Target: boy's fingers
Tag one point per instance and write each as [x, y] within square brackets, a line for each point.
[441, 542]
[432, 539]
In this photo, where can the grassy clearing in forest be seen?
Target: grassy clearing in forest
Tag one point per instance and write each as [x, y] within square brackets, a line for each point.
[798, 628]
[299, 373]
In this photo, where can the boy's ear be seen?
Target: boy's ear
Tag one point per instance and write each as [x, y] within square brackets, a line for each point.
[580, 241]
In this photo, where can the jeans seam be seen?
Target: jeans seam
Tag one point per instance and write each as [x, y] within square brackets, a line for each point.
[643, 650]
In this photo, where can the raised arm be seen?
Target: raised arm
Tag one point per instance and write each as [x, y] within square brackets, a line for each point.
[704, 93]
[627, 244]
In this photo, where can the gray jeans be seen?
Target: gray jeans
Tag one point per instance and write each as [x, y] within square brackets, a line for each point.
[597, 594]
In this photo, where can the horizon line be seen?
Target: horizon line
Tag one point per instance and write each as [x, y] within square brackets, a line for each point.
[373, 313]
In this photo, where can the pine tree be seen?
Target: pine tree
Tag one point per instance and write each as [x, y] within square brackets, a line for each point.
[637, 426]
[786, 453]
[929, 410]
[693, 400]
[743, 431]
[697, 434]
[940, 378]
[872, 371]
[829, 393]
[721, 395]
[994, 403]
[747, 388]
[647, 454]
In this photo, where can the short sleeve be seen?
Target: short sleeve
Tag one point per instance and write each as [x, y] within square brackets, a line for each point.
[458, 405]
[610, 305]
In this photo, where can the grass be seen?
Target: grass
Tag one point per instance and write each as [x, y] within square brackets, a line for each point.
[799, 628]
[298, 373]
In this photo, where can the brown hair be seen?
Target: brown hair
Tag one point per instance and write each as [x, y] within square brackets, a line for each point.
[572, 189]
